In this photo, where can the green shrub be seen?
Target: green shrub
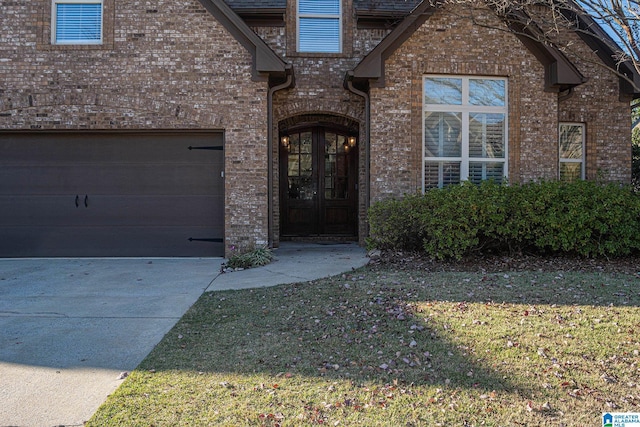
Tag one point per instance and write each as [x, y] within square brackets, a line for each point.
[395, 223]
[584, 218]
[451, 227]
[253, 258]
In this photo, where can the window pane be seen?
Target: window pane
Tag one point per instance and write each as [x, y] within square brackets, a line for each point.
[440, 174]
[571, 139]
[570, 172]
[442, 137]
[330, 142]
[319, 35]
[319, 7]
[294, 165]
[78, 22]
[486, 135]
[305, 142]
[294, 143]
[482, 171]
[306, 189]
[488, 92]
[339, 191]
[341, 144]
[442, 90]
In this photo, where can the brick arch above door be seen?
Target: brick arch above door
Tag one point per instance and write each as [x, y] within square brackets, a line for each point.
[347, 123]
[291, 103]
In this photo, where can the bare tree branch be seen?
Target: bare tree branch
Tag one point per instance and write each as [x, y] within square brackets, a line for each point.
[613, 23]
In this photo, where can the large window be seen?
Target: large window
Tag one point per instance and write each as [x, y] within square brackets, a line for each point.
[76, 22]
[319, 26]
[571, 153]
[465, 129]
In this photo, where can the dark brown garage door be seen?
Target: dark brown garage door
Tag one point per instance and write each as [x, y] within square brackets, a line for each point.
[111, 194]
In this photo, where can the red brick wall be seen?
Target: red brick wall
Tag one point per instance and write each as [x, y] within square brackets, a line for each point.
[446, 44]
[597, 103]
[165, 66]
[172, 66]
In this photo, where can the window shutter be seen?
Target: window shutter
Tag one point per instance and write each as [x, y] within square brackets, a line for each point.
[486, 135]
[441, 174]
[319, 35]
[78, 23]
[442, 134]
[319, 28]
[483, 171]
[319, 7]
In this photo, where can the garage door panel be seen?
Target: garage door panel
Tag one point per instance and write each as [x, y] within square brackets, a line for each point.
[74, 147]
[112, 179]
[114, 210]
[100, 241]
[167, 210]
[43, 210]
[111, 194]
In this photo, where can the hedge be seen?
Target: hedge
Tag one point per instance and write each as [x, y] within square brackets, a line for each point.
[584, 218]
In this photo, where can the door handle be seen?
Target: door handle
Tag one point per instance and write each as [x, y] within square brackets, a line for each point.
[77, 198]
[86, 201]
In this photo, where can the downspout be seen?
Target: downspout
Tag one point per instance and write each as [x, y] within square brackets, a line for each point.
[288, 83]
[565, 94]
[367, 151]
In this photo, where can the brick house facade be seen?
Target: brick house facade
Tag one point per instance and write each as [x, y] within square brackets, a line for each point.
[194, 71]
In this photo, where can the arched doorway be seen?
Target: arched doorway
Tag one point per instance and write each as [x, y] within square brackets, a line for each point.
[318, 182]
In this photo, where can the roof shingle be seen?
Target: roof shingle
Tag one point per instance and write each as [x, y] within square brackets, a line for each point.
[257, 4]
[402, 6]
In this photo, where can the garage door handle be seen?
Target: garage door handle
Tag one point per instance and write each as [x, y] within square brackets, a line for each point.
[86, 201]
[77, 198]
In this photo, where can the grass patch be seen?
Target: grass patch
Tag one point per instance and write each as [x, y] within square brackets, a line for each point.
[381, 347]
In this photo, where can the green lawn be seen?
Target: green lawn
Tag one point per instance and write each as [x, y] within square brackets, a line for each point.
[382, 347]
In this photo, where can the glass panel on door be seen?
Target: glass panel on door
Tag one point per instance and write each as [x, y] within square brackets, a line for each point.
[335, 167]
[300, 169]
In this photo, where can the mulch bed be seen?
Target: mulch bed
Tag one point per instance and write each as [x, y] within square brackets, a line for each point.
[498, 263]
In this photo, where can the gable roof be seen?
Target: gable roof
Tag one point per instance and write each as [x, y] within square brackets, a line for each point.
[269, 13]
[371, 5]
[560, 73]
[257, 4]
[404, 6]
[607, 50]
[266, 63]
[382, 14]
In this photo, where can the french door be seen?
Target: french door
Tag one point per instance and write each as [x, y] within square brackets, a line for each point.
[318, 182]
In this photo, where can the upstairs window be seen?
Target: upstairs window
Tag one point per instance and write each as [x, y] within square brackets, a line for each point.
[464, 130]
[76, 22]
[319, 26]
[571, 152]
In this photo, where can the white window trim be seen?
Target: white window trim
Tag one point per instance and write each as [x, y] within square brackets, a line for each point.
[465, 108]
[581, 160]
[315, 15]
[54, 14]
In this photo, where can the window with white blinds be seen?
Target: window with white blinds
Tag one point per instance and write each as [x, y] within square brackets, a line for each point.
[464, 130]
[76, 22]
[571, 153]
[319, 26]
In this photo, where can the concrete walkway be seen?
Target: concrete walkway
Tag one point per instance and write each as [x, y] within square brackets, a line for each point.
[70, 327]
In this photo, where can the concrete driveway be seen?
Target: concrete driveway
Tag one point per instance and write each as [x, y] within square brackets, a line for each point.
[70, 327]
